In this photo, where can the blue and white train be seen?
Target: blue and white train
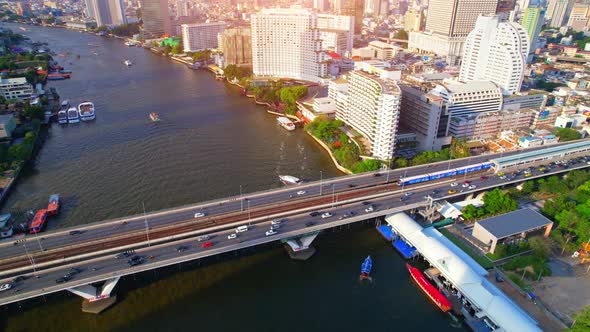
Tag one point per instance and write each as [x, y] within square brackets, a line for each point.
[404, 181]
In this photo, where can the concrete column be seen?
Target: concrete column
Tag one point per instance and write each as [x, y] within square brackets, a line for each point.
[299, 247]
[548, 230]
[96, 299]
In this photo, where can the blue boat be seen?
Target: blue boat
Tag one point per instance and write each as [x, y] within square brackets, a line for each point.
[366, 268]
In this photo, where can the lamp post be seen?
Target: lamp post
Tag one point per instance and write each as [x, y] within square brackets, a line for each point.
[31, 259]
[321, 182]
[333, 197]
[241, 199]
[404, 182]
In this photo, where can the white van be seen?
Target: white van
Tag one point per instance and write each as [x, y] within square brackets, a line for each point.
[241, 229]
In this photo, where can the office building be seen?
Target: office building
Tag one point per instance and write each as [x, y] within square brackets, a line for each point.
[469, 99]
[90, 8]
[532, 22]
[201, 36]
[108, 12]
[156, 18]
[535, 101]
[336, 33]
[447, 25]
[414, 20]
[495, 51]
[489, 125]
[182, 8]
[558, 12]
[354, 8]
[376, 7]
[236, 45]
[578, 18]
[15, 88]
[373, 111]
[286, 43]
[321, 5]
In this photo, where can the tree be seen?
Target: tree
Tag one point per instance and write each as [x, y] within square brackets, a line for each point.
[402, 34]
[540, 246]
[528, 187]
[367, 166]
[566, 134]
[167, 49]
[400, 162]
[175, 49]
[34, 112]
[582, 321]
[496, 202]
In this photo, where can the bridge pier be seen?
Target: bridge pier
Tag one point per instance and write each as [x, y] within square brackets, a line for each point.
[299, 248]
[96, 299]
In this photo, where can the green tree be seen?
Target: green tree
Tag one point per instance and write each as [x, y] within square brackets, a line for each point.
[540, 246]
[400, 162]
[566, 134]
[175, 49]
[582, 321]
[367, 166]
[402, 34]
[528, 187]
[34, 112]
[167, 49]
[496, 202]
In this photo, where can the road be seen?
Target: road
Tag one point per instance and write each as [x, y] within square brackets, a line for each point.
[106, 266]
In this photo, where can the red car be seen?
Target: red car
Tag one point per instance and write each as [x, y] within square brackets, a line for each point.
[207, 244]
[483, 178]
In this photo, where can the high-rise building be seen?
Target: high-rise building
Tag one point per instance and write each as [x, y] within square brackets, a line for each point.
[414, 20]
[469, 99]
[558, 11]
[355, 8]
[496, 51]
[90, 8]
[109, 12]
[578, 19]
[156, 18]
[373, 111]
[201, 36]
[321, 5]
[447, 25]
[532, 22]
[372, 7]
[287, 43]
[236, 45]
[336, 32]
[182, 8]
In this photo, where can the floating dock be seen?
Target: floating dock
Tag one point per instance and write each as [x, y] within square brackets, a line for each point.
[386, 232]
[404, 248]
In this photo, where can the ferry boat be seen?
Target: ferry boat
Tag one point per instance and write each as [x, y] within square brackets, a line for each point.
[55, 78]
[434, 294]
[86, 111]
[286, 123]
[38, 222]
[154, 117]
[62, 117]
[130, 44]
[366, 268]
[288, 179]
[53, 205]
[127, 62]
[73, 116]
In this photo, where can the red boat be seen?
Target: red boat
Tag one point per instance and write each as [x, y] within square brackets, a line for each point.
[434, 294]
[53, 205]
[38, 222]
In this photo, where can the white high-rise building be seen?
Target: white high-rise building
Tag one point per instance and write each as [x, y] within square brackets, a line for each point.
[182, 8]
[448, 23]
[287, 43]
[321, 5]
[496, 51]
[108, 12]
[336, 32]
[373, 110]
[558, 12]
[469, 99]
[201, 36]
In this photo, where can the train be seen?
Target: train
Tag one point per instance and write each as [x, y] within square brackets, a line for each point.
[404, 181]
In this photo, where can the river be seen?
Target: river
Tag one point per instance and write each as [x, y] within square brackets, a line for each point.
[210, 141]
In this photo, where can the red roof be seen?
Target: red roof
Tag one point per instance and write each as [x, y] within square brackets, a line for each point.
[334, 55]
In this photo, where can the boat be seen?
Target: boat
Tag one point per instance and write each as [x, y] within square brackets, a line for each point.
[434, 294]
[366, 268]
[288, 179]
[38, 222]
[286, 123]
[86, 111]
[55, 78]
[65, 71]
[154, 117]
[53, 205]
[130, 44]
[127, 62]
[62, 117]
[73, 116]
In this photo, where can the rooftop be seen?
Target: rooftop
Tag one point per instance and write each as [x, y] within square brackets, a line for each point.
[388, 86]
[514, 222]
[473, 86]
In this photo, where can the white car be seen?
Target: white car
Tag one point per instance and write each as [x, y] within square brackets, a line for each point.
[203, 238]
[454, 184]
[275, 222]
[301, 192]
[472, 186]
[465, 185]
[232, 236]
[271, 232]
[326, 215]
[199, 214]
[408, 194]
[503, 177]
[370, 208]
[275, 226]
[5, 287]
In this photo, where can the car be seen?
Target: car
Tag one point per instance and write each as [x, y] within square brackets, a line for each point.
[203, 238]
[75, 232]
[541, 169]
[74, 271]
[276, 222]
[472, 187]
[134, 263]
[5, 287]
[19, 279]
[275, 226]
[454, 184]
[526, 175]
[503, 177]
[314, 214]
[366, 203]
[370, 208]
[301, 192]
[377, 174]
[63, 279]
[232, 236]
[465, 184]
[271, 232]
[451, 191]
[352, 213]
[351, 185]
[434, 192]
[121, 255]
[500, 174]
[207, 244]
[344, 216]
[408, 194]
[136, 258]
[483, 177]
[180, 249]
[309, 224]
[326, 215]
[499, 278]
[200, 214]
[403, 199]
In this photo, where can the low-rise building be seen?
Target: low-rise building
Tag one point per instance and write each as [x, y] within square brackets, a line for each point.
[488, 125]
[16, 88]
[529, 142]
[7, 125]
[383, 51]
[6, 225]
[511, 227]
[545, 117]
[570, 120]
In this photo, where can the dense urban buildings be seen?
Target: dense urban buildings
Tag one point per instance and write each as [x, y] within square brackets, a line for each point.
[236, 45]
[532, 22]
[558, 12]
[447, 25]
[578, 17]
[201, 36]
[156, 18]
[414, 20]
[336, 32]
[354, 8]
[495, 51]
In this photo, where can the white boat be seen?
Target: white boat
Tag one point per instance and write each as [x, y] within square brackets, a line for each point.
[127, 62]
[154, 117]
[286, 123]
[130, 44]
[86, 111]
[73, 116]
[288, 179]
[62, 117]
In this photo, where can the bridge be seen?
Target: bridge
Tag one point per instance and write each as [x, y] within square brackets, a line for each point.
[168, 237]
